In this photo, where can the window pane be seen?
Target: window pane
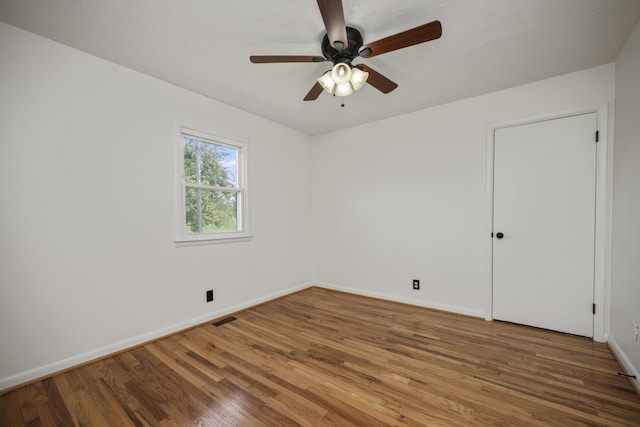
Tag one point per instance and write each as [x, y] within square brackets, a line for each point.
[210, 164]
[190, 148]
[210, 211]
[229, 162]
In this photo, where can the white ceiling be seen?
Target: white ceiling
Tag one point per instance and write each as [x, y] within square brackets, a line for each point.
[204, 46]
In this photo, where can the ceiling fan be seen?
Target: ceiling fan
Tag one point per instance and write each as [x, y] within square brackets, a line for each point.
[342, 44]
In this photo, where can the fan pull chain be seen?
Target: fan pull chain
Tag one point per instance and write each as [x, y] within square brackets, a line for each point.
[342, 102]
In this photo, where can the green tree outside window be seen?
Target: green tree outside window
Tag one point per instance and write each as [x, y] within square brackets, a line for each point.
[211, 187]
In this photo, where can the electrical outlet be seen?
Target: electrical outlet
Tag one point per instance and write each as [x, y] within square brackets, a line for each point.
[416, 284]
[636, 326]
[210, 295]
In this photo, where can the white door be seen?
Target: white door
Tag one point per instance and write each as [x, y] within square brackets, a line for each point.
[544, 223]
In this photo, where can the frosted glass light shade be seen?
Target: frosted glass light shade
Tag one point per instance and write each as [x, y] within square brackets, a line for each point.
[341, 73]
[344, 89]
[358, 78]
[327, 82]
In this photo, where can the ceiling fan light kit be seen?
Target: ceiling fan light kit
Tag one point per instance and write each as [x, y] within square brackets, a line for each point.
[342, 44]
[343, 80]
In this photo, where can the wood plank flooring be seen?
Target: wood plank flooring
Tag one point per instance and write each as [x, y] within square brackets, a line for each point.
[325, 358]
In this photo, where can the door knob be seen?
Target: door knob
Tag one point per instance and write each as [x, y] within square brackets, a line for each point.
[499, 235]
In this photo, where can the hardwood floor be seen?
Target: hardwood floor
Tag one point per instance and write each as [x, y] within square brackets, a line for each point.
[325, 358]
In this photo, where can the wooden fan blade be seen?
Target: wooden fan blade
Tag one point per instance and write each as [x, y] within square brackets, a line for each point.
[269, 59]
[314, 93]
[377, 80]
[333, 17]
[417, 35]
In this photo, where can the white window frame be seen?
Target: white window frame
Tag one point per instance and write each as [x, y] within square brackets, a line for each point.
[242, 233]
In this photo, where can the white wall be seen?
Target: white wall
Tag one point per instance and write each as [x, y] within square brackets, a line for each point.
[87, 184]
[625, 253]
[405, 197]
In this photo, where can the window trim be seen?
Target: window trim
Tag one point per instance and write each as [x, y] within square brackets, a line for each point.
[243, 234]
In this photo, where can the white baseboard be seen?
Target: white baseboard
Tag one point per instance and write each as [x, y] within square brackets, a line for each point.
[419, 303]
[61, 365]
[626, 363]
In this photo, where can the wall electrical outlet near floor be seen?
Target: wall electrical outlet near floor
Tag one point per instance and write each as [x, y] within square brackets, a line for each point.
[416, 284]
[210, 295]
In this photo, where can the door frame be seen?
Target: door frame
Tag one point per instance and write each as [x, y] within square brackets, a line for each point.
[602, 244]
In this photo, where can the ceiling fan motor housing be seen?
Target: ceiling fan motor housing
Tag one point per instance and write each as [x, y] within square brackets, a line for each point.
[347, 54]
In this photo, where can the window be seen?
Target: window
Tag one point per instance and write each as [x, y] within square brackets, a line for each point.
[213, 188]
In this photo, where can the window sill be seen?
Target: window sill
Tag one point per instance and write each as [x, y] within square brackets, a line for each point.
[211, 240]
